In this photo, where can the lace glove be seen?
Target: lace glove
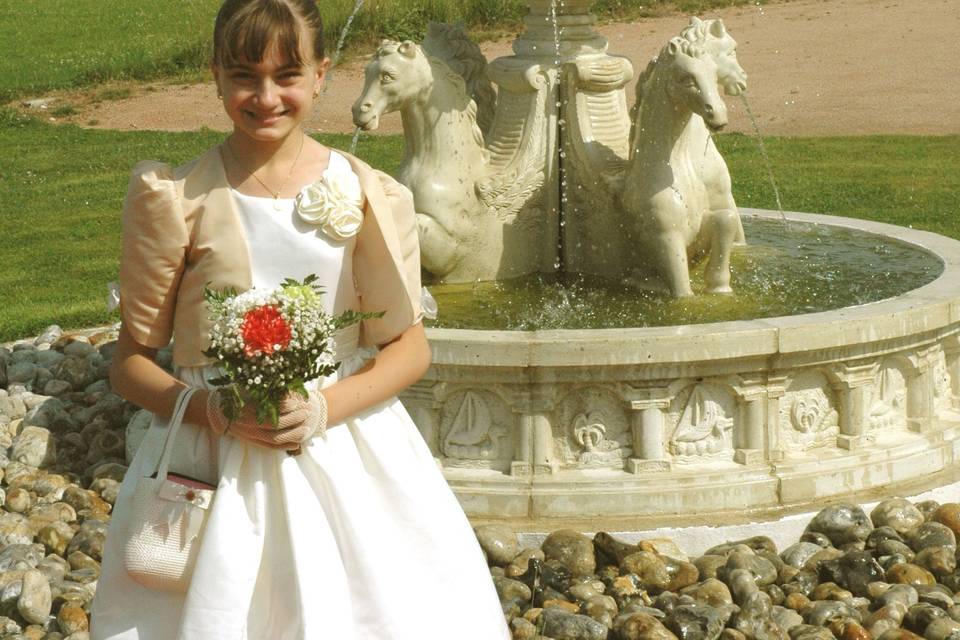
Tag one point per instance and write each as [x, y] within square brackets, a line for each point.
[300, 420]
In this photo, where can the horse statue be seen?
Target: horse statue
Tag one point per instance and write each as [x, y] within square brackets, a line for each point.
[467, 203]
[666, 198]
[714, 38]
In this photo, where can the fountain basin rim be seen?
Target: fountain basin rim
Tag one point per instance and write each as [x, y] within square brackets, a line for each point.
[933, 306]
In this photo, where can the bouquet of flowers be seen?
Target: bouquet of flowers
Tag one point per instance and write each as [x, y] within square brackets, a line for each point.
[270, 343]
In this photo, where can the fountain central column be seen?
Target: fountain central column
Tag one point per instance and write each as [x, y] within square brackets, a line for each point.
[559, 93]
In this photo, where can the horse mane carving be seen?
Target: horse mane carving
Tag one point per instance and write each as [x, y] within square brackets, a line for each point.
[693, 48]
[450, 43]
[441, 70]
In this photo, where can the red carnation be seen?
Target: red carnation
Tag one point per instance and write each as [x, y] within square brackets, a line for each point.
[264, 330]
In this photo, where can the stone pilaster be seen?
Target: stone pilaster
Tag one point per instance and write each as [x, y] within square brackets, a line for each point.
[852, 386]
[921, 415]
[750, 426]
[951, 350]
[648, 407]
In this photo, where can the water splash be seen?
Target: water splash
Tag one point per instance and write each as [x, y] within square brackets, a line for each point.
[341, 42]
[766, 157]
[552, 17]
[355, 141]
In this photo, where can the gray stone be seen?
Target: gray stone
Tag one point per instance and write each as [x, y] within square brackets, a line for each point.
[34, 446]
[14, 529]
[572, 550]
[742, 585]
[920, 615]
[640, 626]
[89, 539]
[35, 599]
[508, 589]
[57, 387]
[755, 620]
[940, 561]
[823, 611]
[755, 544]
[21, 372]
[49, 335]
[562, 625]
[901, 594]
[854, 570]
[841, 523]
[79, 349]
[810, 632]
[785, 618]
[696, 622]
[20, 557]
[797, 555]
[942, 629]
[78, 371]
[49, 359]
[764, 572]
[931, 534]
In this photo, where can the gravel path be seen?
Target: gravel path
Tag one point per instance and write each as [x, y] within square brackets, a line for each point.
[817, 67]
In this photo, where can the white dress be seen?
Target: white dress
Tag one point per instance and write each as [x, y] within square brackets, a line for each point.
[358, 538]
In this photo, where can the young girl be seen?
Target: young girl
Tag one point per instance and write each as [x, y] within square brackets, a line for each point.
[358, 536]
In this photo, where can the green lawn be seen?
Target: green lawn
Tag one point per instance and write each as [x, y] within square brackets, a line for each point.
[61, 188]
[50, 45]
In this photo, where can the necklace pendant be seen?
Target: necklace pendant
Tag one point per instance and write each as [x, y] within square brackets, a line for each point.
[277, 205]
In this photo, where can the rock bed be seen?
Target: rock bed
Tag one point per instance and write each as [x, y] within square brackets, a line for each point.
[891, 575]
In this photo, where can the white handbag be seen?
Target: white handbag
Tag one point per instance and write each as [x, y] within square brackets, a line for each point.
[167, 516]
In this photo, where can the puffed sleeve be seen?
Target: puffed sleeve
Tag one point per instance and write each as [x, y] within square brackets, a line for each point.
[152, 255]
[387, 261]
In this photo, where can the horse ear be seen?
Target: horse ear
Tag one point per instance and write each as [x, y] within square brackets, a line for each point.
[408, 48]
[695, 21]
[717, 28]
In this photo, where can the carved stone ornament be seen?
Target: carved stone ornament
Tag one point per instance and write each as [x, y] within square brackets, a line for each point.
[704, 430]
[474, 429]
[597, 431]
[943, 396]
[813, 421]
[888, 408]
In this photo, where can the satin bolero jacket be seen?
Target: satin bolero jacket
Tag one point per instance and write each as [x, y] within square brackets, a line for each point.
[181, 232]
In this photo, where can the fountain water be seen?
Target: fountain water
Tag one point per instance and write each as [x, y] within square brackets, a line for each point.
[693, 421]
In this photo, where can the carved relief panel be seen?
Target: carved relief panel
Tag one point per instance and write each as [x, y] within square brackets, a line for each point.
[703, 415]
[592, 430]
[808, 416]
[944, 401]
[475, 430]
[888, 401]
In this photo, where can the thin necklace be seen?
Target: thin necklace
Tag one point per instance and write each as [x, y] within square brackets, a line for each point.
[275, 194]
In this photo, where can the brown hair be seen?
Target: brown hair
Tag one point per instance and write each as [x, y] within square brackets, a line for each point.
[245, 29]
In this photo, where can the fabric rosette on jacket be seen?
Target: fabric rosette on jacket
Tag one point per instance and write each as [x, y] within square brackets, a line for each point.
[334, 204]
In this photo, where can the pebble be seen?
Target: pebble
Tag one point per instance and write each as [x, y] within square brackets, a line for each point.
[572, 550]
[564, 625]
[497, 541]
[841, 524]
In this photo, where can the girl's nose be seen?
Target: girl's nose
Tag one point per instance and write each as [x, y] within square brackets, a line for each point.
[267, 94]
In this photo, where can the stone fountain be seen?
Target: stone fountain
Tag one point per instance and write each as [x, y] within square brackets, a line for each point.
[533, 164]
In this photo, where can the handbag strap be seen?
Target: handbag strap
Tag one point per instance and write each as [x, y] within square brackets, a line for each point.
[179, 409]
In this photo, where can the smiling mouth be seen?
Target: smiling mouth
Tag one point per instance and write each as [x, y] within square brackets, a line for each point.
[268, 117]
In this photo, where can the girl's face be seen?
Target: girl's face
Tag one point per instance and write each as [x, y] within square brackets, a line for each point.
[268, 100]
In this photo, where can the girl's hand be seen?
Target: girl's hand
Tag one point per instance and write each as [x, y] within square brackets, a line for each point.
[300, 420]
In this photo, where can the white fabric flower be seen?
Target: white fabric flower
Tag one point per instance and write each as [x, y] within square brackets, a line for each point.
[333, 203]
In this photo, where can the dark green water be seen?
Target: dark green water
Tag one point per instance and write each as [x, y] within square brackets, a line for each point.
[787, 269]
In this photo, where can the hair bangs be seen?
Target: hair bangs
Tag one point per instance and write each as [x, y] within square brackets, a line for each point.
[248, 36]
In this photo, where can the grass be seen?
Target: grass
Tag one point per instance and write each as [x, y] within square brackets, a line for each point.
[61, 45]
[61, 189]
